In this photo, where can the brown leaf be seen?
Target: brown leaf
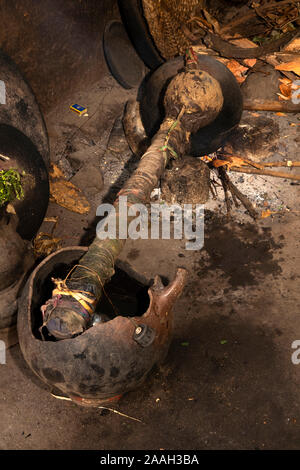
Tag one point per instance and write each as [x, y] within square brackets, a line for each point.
[243, 42]
[293, 46]
[282, 97]
[285, 80]
[56, 172]
[44, 244]
[217, 163]
[266, 213]
[231, 160]
[66, 194]
[292, 66]
[286, 90]
[236, 68]
[211, 20]
[249, 62]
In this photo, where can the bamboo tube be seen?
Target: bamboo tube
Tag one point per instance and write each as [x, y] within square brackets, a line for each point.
[103, 253]
[84, 285]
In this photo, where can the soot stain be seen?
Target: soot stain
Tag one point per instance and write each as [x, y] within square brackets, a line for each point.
[241, 252]
[133, 254]
[22, 108]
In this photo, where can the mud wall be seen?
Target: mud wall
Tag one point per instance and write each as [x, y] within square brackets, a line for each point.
[57, 44]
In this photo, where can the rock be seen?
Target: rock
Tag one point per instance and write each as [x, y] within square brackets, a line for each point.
[117, 142]
[262, 84]
[89, 179]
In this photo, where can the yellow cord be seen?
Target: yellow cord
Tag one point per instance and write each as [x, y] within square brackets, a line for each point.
[81, 296]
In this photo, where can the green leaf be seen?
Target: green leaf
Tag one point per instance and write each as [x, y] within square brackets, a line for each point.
[10, 186]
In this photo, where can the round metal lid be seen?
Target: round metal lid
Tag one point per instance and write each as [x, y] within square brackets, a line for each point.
[22, 155]
[122, 60]
[209, 138]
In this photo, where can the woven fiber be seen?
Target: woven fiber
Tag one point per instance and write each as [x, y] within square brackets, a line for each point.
[165, 18]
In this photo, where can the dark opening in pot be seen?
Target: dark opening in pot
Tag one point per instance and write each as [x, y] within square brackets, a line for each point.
[124, 295]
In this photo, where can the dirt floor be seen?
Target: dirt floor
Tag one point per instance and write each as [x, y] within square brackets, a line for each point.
[228, 381]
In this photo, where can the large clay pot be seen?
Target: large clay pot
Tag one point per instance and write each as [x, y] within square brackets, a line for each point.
[109, 358]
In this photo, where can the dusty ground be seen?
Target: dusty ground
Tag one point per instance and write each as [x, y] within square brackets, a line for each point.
[228, 381]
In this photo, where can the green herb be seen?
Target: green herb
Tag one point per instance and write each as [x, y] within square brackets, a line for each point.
[10, 186]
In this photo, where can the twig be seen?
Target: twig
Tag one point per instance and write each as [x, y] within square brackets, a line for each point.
[234, 199]
[276, 106]
[262, 165]
[244, 200]
[119, 413]
[200, 21]
[212, 187]
[236, 194]
[288, 163]
[222, 175]
[253, 14]
[101, 408]
[276, 174]
[58, 397]
[231, 51]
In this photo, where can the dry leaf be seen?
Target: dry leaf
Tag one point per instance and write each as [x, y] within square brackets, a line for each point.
[293, 46]
[266, 213]
[292, 66]
[56, 172]
[223, 60]
[230, 161]
[217, 163]
[286, 90]
[236, 161]
[66, 194]
[236, 68]
[243, 42]
[249, 62]
[285, 80]
[44, 244]
[282, 97]
[212, 21]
